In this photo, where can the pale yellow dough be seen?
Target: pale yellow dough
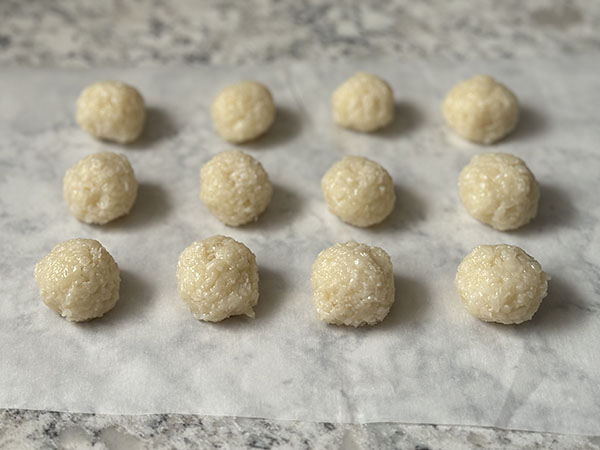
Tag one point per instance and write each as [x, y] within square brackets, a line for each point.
[235, 187]
[499, 190]
[243, 111]
[359, 191]
[78, 279]
[364, 103]
[481, 110]
[353, 284]
[100, 187]
[501, 283]
[111, 110]
[218, 278]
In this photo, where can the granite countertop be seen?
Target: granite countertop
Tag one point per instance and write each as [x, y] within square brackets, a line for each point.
[151, 33]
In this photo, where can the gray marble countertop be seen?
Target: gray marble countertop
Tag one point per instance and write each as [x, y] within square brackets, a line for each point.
[150, 33]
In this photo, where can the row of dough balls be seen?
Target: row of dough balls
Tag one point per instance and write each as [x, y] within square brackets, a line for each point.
[352, 283]
[496, 188]
[479, 109]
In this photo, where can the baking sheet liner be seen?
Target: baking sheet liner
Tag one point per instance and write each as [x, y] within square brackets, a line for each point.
[428, 362]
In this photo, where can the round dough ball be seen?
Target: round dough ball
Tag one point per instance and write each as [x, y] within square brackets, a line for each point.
[78, 279]
[499, 190]
[243, 111]
[364, 103]
[235, 187]
[501, 283]
[218, 278]
[352, 284]
[111, 110]
[481, 110]
[359, 191]
[100, 187]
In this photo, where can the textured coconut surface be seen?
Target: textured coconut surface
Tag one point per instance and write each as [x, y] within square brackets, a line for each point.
[428, 361]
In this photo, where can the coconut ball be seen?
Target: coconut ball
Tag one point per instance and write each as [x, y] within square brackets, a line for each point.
[111, 110]
[359, 191]
[235, 187]
[78, 279]
[499, 190]
[243, 111]
[481, 110]
[352, 284]
[218, 278]
[100, 187]
[501, 283]
[364, 103]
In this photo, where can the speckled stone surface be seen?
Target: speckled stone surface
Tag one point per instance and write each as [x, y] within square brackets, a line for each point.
[44, 430]
[151, 33]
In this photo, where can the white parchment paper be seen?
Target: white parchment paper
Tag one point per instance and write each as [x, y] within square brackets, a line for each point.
[429, 361]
